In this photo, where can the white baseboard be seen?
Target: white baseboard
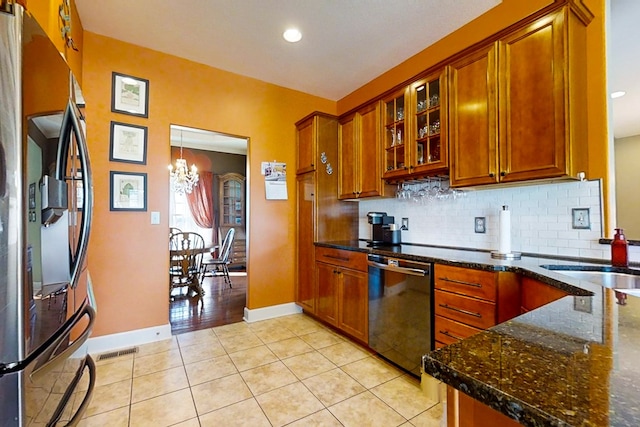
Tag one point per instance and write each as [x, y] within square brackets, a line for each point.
[120, 340]
[271, 312]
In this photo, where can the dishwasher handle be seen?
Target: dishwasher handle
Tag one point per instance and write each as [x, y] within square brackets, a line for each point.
[406, 270]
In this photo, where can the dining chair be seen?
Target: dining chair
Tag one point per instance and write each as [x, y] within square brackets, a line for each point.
[185, 250]
[221, 262]
[174, 230]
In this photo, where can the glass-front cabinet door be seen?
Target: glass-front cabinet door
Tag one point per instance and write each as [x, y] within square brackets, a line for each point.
[429, 153]
[395, 136]
[231, 200]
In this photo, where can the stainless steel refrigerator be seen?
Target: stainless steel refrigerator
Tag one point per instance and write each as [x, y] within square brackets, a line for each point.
[46, 197]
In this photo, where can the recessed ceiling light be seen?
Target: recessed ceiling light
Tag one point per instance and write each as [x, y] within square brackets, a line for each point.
[618, 94]
[292, 35]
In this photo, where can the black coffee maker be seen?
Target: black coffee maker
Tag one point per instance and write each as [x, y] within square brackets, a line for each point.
[380, 228]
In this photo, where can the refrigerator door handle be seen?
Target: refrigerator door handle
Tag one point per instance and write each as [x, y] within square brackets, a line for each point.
[71, 126]
[59, 359]
[89, 364]
[3, 172]
[43, 353]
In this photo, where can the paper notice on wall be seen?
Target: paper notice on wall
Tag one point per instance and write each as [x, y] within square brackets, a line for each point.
[276, 190]
[275, 180]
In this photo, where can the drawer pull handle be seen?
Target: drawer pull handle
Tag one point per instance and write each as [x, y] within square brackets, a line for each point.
[340, 258]
[461, 282]
[450, 335]
[460, 310]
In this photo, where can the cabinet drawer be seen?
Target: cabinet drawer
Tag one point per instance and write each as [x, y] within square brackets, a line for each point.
[470, 311]
[448, 331]
[466, 281]
[343, 258]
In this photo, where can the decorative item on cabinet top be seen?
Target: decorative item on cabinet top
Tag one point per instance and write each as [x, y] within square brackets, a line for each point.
[325, 161]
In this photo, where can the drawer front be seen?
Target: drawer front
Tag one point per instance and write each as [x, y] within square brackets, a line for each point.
[448, 331]
[470, 311]
[348, 259]
[466, 281]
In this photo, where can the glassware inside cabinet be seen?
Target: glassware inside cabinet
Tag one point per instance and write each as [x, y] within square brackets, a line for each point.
[395, 133]
[427, 99]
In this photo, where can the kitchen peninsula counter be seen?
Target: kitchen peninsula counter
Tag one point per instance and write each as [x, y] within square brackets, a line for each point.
[573, 362]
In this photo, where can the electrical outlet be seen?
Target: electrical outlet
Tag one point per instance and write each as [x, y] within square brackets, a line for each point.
[480, 224]
[405, 224]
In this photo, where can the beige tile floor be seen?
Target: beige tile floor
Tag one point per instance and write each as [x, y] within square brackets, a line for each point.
[285, 371]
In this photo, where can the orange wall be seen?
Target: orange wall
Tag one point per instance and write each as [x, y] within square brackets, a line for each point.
[128, 256]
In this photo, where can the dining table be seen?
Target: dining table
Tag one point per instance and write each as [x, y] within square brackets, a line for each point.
[178, 254]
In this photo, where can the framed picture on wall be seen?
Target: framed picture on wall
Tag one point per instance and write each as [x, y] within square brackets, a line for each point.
[128, 143]
[128, 191]
[129, 95]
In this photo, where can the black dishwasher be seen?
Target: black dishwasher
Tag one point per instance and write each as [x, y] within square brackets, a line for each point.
[400, 307]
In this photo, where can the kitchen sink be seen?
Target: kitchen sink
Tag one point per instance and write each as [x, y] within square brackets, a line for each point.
[618, 278]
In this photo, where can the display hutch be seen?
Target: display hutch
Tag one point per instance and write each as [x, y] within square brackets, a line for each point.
[232, 207]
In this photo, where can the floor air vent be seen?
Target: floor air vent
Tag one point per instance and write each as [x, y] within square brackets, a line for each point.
[105, 356]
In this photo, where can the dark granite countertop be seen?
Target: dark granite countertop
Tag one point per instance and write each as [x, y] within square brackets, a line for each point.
[574, 362]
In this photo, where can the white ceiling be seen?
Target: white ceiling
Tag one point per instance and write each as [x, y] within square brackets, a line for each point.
[345, 43]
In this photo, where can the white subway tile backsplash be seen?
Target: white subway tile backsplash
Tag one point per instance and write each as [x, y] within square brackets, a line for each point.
[541, 220]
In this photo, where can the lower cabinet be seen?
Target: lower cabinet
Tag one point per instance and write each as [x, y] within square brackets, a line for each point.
[536, 294]
[465, 411]
[467, 301]
[342, 296]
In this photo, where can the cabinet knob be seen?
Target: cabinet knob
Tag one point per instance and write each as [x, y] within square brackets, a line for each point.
[312, 165]
[503, 173]
[491, 175]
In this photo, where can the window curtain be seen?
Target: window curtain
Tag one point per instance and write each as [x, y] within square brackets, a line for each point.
[201, 204]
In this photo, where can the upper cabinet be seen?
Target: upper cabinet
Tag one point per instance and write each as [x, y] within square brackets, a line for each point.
[415, 138]
[473, 132]
[306, 145]
[396, 152]
[530, 125]
[428, 138]
[360, 157]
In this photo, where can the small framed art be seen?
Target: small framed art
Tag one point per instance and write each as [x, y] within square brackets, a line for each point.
[128, 143]
[129, 95]
[128, 191]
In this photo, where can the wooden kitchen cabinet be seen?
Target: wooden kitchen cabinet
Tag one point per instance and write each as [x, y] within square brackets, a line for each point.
[343, 291]
[305, 283]
[415, 123]
[473, 132]
[307, 137]
[465, 411]
[327, 298]
[467, 301]
[532, 124]
[536, 294]
[428, 139]
[320, 215]
[360, 157]
[396, 150]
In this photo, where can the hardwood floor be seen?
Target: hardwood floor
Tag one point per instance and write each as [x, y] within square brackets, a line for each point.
[219, 305]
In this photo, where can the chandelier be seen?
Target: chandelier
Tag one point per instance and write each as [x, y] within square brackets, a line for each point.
[183, 179]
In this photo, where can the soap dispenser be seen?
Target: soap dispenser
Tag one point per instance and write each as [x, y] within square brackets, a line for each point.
[619, 249]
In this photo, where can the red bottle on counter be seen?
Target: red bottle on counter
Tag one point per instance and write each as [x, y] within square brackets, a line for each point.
[619, 249]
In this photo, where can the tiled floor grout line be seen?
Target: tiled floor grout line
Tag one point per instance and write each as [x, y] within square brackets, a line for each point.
[315, 344]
